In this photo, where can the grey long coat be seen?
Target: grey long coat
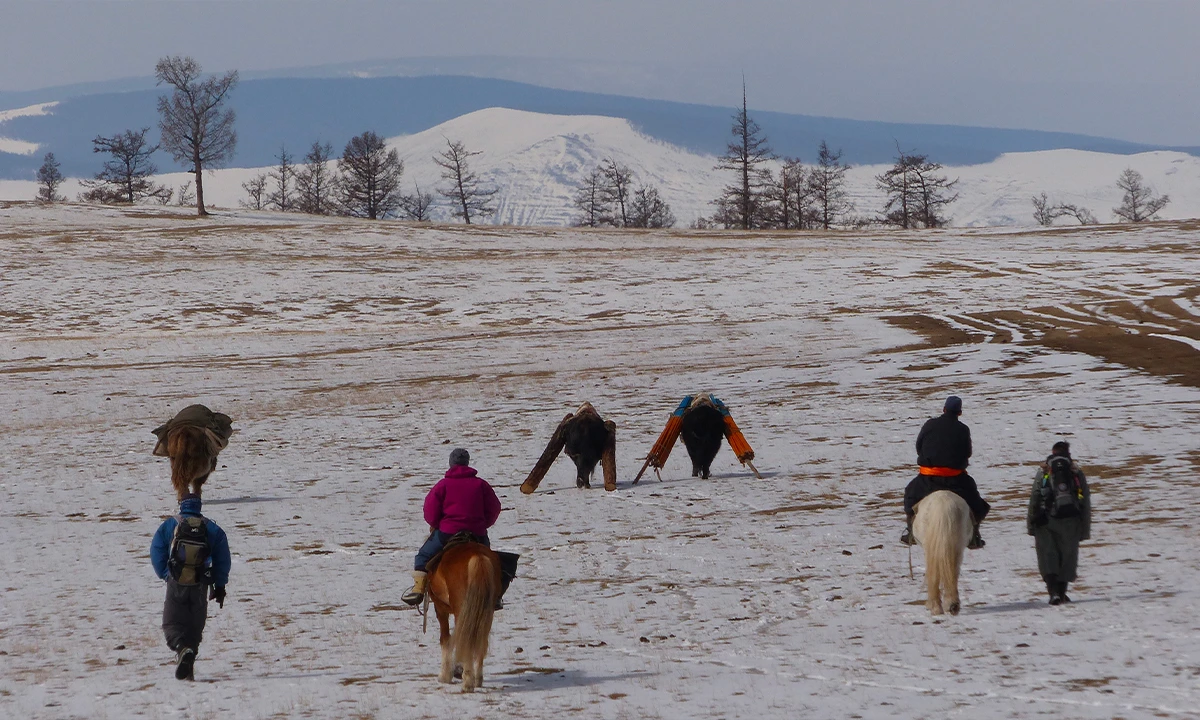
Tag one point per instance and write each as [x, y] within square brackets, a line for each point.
[1057, 540]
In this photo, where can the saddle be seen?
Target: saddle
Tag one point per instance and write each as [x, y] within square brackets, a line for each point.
[508, 560]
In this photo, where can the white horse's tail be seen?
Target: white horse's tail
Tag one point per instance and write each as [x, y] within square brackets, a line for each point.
[943, 528]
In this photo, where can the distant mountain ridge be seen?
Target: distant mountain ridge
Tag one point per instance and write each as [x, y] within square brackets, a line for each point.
[296, 111]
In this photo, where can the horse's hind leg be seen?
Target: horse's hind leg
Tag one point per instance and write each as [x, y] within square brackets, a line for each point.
[932, 589]
[952, 594]
[447, 673]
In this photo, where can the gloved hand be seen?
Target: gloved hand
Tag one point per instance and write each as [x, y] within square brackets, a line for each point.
[218, 594]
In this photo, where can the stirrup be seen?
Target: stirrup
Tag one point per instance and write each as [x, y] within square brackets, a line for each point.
[976, 542]
[412, 597]
[906, 538]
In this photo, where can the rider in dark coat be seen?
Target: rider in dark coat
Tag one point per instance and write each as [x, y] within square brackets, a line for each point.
[1057, 535]
[943, 451]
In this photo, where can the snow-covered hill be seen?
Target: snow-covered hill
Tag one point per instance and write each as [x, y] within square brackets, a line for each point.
[537, 161]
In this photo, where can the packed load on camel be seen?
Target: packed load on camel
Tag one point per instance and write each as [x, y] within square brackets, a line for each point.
[192, 440]
[588, 439]
[701, 420]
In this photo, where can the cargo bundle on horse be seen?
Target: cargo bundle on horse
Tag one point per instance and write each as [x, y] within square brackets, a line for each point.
[192, 440]
[701, 420]
[588, 439]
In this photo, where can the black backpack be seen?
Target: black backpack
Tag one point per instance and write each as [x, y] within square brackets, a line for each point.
[1060, 488]
[189, 551]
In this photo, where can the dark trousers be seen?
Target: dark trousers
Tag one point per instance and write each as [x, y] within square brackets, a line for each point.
[962, 485]
[184, 614]
[435, 543]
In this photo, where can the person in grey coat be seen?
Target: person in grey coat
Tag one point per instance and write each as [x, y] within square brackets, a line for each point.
[1059, 518]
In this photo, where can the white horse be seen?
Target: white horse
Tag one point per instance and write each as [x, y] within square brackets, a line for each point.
[943, 527]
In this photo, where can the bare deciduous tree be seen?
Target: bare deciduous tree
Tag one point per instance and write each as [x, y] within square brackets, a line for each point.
[186, 196]
[467, 196]
[49, 178]
[933, 192]
[649, 210]
[827, 181]
[1139, 203]
[618, 184]
[589, 200]
[315, 181]
[256, 191]
[370, 177]
[789, 197]
[900, 188]
[1044, 213]
[125, 176]
[741, 202]
[1080, 213]
[197, 128]
[416, 206]
[283, 178]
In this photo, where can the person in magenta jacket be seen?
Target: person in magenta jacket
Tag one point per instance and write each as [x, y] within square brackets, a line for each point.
[461, 501]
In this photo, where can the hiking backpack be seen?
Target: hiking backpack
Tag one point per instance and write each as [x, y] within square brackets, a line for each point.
[189, 551]
[1060, 488]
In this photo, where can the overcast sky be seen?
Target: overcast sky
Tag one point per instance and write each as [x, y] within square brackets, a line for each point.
[1119, 68]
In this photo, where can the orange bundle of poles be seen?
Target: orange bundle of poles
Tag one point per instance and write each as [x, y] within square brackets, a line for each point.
[737, 441]
[666, 441]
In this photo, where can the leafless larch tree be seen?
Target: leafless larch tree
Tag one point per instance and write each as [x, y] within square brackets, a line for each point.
[468, 198]
[197, 127]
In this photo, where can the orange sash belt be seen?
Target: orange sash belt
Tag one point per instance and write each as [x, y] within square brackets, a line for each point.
[939, 471]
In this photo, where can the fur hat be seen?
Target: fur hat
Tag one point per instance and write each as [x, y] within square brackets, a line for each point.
[458, 456]
[953, 405]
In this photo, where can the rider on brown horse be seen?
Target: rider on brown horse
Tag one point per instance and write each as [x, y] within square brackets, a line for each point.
[943, 450]
[460, 501]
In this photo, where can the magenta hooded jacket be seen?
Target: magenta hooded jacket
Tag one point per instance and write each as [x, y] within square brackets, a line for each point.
[462, 501]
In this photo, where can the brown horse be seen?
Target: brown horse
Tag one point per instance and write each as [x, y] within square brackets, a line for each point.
[465, 583]
[192, 439]
[193, 453]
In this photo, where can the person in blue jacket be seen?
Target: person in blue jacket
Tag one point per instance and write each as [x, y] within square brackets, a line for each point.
[191, 553]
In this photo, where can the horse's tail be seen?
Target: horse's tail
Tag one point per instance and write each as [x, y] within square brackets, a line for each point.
[191, 456]
[944, 529]
[473, 624]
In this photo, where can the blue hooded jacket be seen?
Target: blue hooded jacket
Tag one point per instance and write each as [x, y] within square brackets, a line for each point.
[218, 544]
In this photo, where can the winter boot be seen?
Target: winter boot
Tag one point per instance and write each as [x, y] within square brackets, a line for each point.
[1052, 588]
[417, 592]
[183, 663]
[1062, 592]
[907, 537]
[976, 541]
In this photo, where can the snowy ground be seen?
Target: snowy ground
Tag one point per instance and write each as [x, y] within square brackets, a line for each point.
[353, 356]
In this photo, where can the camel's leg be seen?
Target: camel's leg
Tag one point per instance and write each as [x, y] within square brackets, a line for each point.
[447, 673]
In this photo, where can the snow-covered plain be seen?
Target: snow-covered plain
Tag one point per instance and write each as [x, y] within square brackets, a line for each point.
[537, 161]
[353, 356]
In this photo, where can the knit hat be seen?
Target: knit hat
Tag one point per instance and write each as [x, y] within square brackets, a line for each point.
[190, 504]
[953, 405]
[458, 456]
[1062, 447]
